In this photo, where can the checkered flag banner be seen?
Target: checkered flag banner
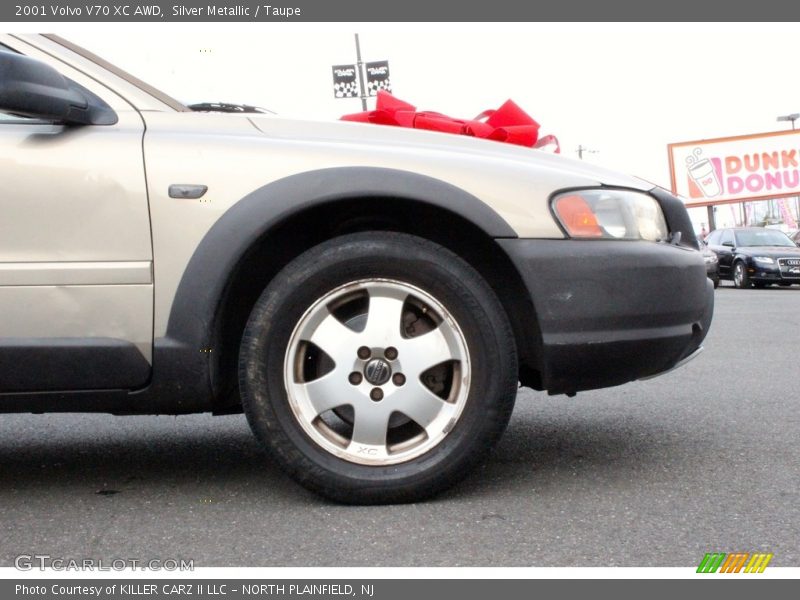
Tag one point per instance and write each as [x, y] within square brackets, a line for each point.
[345, 82]
[378, 77]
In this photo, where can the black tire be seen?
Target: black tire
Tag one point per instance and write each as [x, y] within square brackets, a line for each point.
[364, 257]
[741, 279]
[715, 280]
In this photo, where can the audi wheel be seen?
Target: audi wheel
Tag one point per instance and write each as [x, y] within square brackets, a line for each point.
[740, 277]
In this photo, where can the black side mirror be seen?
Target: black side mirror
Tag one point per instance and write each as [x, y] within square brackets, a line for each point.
[729, 244]
[31, 88]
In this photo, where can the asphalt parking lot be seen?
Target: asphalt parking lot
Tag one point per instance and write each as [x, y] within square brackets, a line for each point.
[653, 473]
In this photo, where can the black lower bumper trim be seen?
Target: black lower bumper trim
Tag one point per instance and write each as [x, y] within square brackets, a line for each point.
[610, 312]
[42, 364]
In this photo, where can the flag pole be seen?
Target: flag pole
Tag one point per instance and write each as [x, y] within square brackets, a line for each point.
[361, 75]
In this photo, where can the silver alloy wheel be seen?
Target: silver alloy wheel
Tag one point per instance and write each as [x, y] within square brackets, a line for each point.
[377, 372]
[738, 274]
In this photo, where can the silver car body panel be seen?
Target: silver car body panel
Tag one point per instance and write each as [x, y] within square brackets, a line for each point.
[76, 273]
[75, 243]
[118, 312]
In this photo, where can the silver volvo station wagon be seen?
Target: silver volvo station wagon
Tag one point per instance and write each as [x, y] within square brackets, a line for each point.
[370, 297]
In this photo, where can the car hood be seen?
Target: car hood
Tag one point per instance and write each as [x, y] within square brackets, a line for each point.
[431, 142]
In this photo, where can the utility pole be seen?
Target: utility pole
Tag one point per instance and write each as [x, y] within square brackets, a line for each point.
[360, 66]
[792, 118]
[582, 149]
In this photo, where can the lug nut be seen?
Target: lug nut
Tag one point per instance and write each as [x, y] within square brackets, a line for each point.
[398, 379]
[355, 378]
[364, 353]
[390, 353]
[376, 394]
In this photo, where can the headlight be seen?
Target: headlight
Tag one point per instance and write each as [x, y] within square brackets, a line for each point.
[711, 258]
[766, 260]
[610, 214]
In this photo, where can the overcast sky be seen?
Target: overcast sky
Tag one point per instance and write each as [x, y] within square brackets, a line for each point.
[623, 90]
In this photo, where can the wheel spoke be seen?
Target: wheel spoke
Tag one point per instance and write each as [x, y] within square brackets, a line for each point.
[327, 392]
[335, 339]
[370, 425]
[417, 402]
[419, 354]
[385, 317]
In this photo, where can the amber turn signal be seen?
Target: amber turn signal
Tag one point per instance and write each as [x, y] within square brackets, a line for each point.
[577, 216]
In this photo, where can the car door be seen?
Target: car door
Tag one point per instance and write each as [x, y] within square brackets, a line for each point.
[714, 242]
[725, 252]
[76, 285]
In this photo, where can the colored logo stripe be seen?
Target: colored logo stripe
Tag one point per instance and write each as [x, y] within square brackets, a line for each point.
[711, 562]
[758, 563]
[734, 562]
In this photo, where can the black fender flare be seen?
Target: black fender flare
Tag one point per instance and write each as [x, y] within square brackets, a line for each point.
[254, 215]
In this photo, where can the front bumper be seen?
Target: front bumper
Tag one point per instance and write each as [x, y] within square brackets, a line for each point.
[609, 312]
[771, 273]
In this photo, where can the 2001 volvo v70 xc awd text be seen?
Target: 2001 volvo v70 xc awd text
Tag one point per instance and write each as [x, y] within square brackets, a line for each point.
[370, 297]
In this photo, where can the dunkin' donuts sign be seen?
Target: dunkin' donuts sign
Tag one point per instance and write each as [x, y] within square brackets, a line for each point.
[747, 167]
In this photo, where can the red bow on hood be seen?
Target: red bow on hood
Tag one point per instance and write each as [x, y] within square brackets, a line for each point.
[509, 123]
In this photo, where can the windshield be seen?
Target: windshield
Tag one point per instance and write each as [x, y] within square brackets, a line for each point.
[762, 237]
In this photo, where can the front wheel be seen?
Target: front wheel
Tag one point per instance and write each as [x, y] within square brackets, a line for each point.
[740, 277]
[378, 367]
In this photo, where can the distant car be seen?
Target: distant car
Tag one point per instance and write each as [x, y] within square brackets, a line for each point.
[712, 263]
[755, 255]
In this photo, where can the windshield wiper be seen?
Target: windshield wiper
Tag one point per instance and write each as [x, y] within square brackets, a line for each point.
[228, 107]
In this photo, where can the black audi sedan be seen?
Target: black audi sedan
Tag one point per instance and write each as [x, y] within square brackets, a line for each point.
[755, 255]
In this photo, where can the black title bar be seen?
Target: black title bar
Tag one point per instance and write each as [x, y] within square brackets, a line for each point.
[32, 11]
[388, 589]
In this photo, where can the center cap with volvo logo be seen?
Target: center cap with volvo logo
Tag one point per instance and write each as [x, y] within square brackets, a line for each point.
[377, 371]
